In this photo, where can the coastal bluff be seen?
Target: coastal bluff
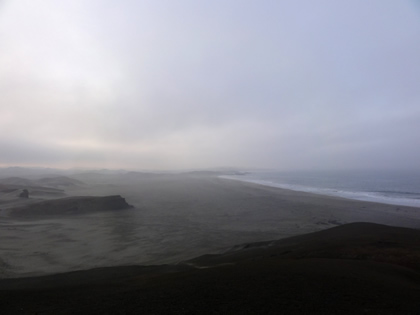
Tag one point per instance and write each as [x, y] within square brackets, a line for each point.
[71, 206]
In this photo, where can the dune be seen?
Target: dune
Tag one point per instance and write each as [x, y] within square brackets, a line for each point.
[358, 268]
[12, 196]
[58, 181]
[70, 205]
[17, 181]
[38, 189]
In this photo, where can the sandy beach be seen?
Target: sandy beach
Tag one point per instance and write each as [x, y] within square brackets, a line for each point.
[177, 218]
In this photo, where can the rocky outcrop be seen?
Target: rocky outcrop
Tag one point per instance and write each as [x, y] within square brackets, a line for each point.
[71, 206]
[24, 194]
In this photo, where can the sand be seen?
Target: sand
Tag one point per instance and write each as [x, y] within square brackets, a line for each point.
[176, 217]
[354, 269]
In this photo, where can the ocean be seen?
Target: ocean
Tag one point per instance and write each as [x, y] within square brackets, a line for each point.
[390, 187]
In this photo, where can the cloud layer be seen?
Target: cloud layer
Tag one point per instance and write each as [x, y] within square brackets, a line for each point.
[185, 84]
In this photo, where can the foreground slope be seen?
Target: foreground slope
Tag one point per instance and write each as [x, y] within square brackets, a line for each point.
[358, 268]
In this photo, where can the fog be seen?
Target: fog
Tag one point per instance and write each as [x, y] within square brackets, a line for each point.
[197, 84]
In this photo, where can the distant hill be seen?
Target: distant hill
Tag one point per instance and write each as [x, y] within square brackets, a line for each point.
[53, 182]
[28, 172]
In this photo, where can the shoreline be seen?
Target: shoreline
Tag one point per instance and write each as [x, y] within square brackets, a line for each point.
[350, 195]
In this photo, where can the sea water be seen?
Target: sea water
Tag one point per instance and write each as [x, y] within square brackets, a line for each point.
[390, 187]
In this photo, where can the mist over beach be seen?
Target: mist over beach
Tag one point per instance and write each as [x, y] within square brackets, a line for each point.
[195, 157]
[174, 217]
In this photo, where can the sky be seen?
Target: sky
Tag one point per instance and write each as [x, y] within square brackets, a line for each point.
[184, 84]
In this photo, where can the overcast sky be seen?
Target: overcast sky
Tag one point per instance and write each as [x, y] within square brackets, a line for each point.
[169, 84]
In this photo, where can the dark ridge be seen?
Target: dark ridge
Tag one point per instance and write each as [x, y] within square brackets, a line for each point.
[359, 241]
[71, 205]
[308, 274]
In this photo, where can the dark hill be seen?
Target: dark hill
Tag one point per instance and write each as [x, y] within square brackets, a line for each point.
[335, 271]
[360, 241]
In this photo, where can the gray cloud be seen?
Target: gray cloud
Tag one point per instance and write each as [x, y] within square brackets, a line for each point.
[163, 84]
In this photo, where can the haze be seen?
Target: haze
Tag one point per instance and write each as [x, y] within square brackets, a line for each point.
[191, 84]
